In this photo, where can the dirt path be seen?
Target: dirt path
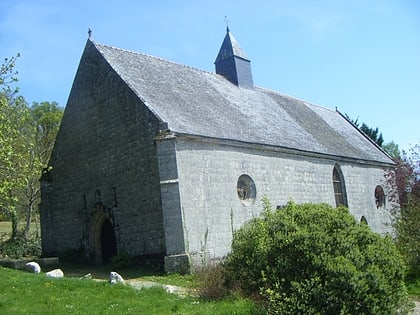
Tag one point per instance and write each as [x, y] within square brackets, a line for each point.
[181, 291]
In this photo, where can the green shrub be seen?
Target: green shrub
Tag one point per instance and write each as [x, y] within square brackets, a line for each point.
[310, 259]
[19, 247]
[211, 282]
[407, 226]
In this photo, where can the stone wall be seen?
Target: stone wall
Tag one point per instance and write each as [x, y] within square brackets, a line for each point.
[104, 155]
[208, 175]
[176, 259]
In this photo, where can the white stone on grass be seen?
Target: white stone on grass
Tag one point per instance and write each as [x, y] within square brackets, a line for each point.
[33, 267]
[55, 273]
[115, 278]
[86, 276]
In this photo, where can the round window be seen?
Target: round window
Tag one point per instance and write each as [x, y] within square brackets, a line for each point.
[246, 189]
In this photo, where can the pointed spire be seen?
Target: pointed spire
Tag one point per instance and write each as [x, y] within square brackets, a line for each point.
[233, 63]
[230, 48]
[227, 24]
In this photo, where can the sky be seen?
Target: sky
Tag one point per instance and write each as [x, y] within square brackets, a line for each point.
[361, 57]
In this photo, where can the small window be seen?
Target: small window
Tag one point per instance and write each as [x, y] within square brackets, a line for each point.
[363, 220]
[379, 197]
[339, 187]
[246, 189]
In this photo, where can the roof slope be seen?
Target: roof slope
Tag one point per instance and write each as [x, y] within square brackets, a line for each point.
[201, 103]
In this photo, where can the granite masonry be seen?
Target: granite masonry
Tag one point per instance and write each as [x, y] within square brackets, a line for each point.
[161, 160]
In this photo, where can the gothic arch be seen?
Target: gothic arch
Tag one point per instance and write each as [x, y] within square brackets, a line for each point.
[363, 220]
[339, 187]
[379, 197]
[102, 237]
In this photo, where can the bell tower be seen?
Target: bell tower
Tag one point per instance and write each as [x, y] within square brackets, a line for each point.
[233, 63]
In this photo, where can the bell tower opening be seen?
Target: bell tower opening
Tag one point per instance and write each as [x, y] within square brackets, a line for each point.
[108, 242]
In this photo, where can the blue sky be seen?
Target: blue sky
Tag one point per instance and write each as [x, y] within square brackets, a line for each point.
[362, 57]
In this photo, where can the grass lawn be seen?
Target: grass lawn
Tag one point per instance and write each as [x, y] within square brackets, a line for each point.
[136, 272]
[5, 229]
[26, 293]
[413, 288]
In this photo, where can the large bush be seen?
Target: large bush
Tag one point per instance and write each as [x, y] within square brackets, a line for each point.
[315, 259]
[404, 183]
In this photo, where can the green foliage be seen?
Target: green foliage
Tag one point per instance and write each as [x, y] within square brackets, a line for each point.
[407, 228]
[14, 129]
[47, 118]
[309, 259]
[18, 247]
[45, 122]
[8, 76]
[392, 149]
[26, 139]
[413, 287]
[404, 181]
[37, 294]
[372, 133]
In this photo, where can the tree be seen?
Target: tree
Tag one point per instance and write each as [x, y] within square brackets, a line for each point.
[27, 136]
[392, 149]
[14, 121]
[46, 118]
[8, 76]
[313, 259]
[372, 133]
[404, 184]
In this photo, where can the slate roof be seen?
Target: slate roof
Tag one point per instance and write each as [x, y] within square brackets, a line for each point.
[230, 47]
[197, 102]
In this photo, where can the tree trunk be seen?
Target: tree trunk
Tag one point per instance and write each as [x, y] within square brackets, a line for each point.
[15, 221]
[36, 227]
[28, 222]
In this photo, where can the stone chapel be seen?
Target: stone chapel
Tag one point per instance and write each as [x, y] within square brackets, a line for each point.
[159, 159]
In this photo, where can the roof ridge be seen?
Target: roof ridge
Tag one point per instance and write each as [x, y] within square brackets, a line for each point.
[154, 57]
[294, 98]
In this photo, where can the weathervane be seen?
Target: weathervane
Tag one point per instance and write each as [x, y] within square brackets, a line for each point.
[227, 23]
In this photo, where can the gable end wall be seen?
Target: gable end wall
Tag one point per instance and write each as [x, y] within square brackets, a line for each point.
[105, 144]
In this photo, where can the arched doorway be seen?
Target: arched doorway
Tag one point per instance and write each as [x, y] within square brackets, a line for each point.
[102, 237]
[108, 242]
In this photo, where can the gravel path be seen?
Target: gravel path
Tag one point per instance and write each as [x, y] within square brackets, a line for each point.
[168, 288]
